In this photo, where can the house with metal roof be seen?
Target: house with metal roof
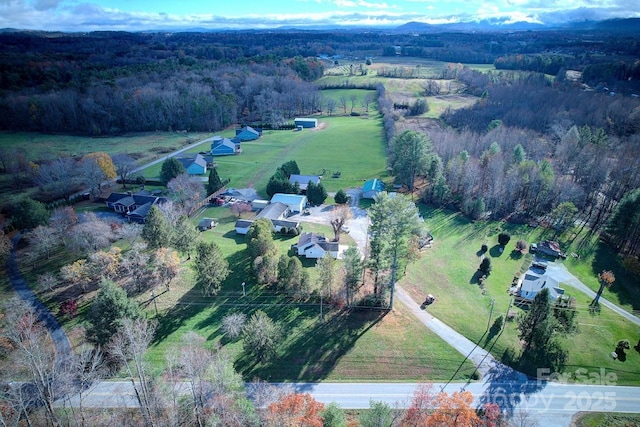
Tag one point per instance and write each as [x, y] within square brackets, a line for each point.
[304, 180]
[276, 213]
[196, 165]
[305, 122]
[295, 202]
[532, 283]
[248, 133]
[371, 188]
[224, 146]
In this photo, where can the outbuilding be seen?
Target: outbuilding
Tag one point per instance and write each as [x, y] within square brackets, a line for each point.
[371, 188]
[305, 122]
[296, 203]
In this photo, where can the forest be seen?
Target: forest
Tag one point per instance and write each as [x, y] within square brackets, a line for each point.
[537, 139]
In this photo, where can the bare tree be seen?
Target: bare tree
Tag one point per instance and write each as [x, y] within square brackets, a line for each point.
[33, 358]
[125, 164]
[90, 234]
[92, 175]
[186, 191]
[339, 216]
[331, 106]
[195, 361]
[368, 99]
[58, 178]
[129, 231]
[343, 103]
[172, 211]
[354, 101]
[233, 323]
[128, 347]
[166, 264]
[43, 239]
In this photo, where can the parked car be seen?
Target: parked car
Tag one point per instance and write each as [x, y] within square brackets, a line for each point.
[533, 248]
[539, 264]
[345, 229]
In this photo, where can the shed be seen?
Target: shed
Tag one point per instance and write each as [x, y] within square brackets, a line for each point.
[207, 224]
[259, 204]
[304, 180]
[296, 203]
[305, 122]
[243, 225]
[371, 188]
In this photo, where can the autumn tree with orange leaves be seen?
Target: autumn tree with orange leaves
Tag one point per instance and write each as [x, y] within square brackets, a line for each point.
[295, 410]
[454, 410]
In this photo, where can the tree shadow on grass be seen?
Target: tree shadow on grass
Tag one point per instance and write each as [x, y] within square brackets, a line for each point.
[515, 255]
[310, 355]
[496, 251]
[475, 279]
[625, 285]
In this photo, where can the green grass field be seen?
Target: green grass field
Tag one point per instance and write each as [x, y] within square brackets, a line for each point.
[613, 419]
[143, 146]
[349, 346]
[333, 146]
[448, 270]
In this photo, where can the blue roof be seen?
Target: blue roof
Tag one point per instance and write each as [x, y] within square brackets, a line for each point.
[373, 184]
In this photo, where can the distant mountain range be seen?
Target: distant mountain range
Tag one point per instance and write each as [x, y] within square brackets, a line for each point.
[625, 25]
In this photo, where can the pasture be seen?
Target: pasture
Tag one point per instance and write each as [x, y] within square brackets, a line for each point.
[448, 270]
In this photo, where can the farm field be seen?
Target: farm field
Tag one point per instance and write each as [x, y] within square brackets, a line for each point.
[143, 147]
[448, 271]
[333, 146]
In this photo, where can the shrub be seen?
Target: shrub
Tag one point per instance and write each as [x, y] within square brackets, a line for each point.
[484, 248]
[485, 266]
[69, 308]
[521, 246]
[341, 197]
[503, 239]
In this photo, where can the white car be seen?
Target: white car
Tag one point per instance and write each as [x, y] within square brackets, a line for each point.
[345, 229]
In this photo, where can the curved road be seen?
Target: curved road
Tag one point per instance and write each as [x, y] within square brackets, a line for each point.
[60, 340]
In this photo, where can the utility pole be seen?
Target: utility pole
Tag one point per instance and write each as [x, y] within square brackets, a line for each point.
[321, 313]
[244, 294]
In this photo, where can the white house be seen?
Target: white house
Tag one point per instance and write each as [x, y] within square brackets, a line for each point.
[314, 246]
[276, 213]
[296, 203]
[533, 283]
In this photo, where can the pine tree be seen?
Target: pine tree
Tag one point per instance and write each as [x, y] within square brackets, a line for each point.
[157, 230]
[110, 307]
[214, 183]
[210, 267]
[170, 169]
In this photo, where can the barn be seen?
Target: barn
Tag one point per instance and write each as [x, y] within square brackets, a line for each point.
[306, 122]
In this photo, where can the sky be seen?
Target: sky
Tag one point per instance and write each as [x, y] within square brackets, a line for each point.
[139, 15]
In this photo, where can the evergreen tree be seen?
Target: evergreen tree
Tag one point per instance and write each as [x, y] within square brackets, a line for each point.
[210, 267]
[29, 213]
[157, 231]
[261, 336]
[214, 184]
[316, 194]
[171, 168]
[341, 197]
[184, 235]
[110, 307]
[537, 328]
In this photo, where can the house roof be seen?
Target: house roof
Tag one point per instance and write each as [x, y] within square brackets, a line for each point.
[126, 201]
[288, 199]
[198, 160]
[205, 222]
[247, 129]
[313, 239]
[373, 185]
[273, 211]
[219, 141]
[285, 223]
[243, 223]
[534, 283]
[141, 211]
[304, 180]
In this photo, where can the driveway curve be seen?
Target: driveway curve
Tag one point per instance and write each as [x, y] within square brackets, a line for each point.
[58, 336]
[560, 273]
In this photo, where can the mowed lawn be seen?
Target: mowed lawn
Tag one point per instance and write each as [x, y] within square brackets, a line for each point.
[448, 270]
[366, 345]
[353, 146]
